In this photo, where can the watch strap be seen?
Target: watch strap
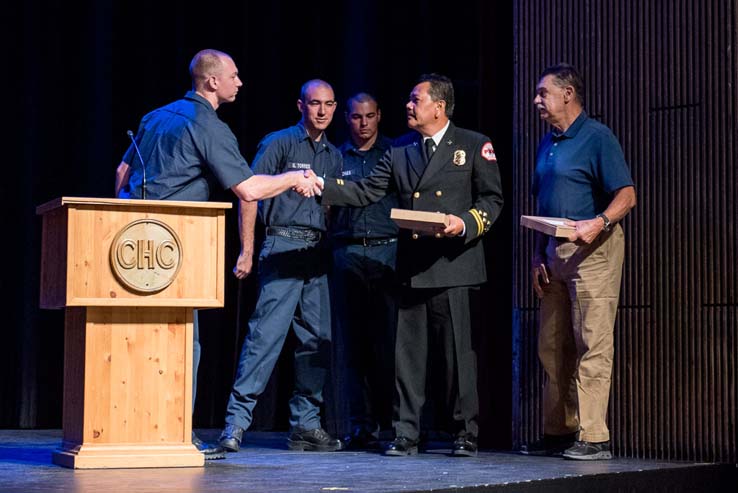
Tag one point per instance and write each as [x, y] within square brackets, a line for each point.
[606, 220]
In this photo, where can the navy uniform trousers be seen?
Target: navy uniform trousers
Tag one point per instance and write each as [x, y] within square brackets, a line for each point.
[293, 292]
[364, 299]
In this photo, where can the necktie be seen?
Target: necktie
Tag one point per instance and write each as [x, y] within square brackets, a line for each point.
[430, 148]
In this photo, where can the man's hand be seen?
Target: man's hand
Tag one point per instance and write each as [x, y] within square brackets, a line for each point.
[307, 183]
[540, 278]
[586, 230]
[243, 265]
[455, 226]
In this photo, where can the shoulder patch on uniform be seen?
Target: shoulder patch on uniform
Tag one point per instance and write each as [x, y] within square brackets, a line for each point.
[488, 152]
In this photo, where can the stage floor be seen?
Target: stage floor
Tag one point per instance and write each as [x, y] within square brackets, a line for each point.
[265, 465]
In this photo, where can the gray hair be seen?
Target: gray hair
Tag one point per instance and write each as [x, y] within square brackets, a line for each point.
[565, 75]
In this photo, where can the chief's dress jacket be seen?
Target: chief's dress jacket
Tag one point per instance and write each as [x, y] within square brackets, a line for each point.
[462, 178]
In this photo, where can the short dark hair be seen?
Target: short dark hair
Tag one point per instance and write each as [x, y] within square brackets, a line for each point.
[360, 97]
[441, 89]
[566, 75]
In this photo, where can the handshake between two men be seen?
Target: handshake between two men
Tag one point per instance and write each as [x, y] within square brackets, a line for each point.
[307, 183]
[304, 182]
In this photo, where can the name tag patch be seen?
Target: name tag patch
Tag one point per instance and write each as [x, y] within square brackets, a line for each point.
[298, 165]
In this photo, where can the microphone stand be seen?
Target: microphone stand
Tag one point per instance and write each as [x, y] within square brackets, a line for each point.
[143, 166]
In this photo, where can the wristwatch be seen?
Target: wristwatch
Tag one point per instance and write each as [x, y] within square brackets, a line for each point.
[606, 220]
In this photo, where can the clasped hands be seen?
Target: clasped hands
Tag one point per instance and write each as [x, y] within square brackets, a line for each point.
[307, 183]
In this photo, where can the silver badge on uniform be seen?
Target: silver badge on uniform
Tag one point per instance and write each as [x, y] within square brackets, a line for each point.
[459, 157]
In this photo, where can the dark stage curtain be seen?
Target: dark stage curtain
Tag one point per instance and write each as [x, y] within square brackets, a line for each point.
[79, 75]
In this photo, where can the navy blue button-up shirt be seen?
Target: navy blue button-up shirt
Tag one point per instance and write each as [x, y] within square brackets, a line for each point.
[292, 149]
[578, 171]
[372, 221]
[185, 147]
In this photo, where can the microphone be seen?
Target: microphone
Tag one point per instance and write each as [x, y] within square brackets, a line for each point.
[143, 166]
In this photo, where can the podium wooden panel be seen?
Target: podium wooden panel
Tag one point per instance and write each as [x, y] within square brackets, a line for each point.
[128, 353]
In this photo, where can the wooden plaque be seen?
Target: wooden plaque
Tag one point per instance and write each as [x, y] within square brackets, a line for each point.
[431, 222]
[552, 226]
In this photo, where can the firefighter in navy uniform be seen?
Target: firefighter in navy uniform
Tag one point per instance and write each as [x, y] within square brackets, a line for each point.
[437, 168]
[363, 283]
[293, 281]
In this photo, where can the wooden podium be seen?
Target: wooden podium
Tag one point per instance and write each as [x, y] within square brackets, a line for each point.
[129, 274]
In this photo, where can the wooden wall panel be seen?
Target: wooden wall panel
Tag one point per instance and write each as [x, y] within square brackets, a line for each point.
[662, 75]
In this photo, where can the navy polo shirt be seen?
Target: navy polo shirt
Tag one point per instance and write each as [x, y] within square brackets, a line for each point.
[578, 171]
[372, 221]
[185, 147]
[292, 149]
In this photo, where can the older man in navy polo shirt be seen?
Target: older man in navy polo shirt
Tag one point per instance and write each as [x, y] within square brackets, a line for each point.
[580, 174]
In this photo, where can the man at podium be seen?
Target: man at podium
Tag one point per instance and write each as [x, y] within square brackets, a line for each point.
[180, 147]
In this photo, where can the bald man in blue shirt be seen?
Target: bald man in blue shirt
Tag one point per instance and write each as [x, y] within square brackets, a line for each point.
[185, 148]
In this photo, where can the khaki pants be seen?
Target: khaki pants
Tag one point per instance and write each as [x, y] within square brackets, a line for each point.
[575, 341]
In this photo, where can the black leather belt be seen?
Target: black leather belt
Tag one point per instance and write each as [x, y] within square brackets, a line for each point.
[369, 241]
[295, 233]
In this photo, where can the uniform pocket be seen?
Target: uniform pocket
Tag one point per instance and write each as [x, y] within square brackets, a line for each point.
[266, 247]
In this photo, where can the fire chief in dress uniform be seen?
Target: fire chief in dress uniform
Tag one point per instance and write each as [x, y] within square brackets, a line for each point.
[437, 168]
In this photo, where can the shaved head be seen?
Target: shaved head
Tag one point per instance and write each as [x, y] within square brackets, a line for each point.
[206, 63]
[312, 84]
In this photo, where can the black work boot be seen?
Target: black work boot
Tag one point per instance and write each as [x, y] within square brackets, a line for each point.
[230, 438]
[317, 440]
[210, 451]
